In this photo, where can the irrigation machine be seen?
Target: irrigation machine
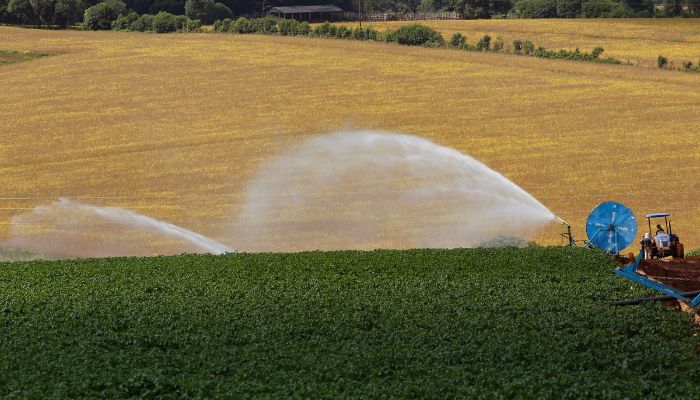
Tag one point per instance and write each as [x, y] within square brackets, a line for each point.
[612, 227]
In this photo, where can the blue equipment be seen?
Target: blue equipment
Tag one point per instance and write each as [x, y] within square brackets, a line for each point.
[630, 272]
[611, 226]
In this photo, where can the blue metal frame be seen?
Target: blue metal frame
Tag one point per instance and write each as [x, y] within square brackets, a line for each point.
[630, 272]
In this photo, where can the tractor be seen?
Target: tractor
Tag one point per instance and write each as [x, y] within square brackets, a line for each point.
[663, 243]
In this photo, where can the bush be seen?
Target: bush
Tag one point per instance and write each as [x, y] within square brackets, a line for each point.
[222, 25]
[458, 40]
[143, 24]
[661, 61]
[484, 44]
[102, 15]
[323, 30]
[517, 46]
[498, 44]
[528, 47]
[124, 22]
[164, 22]
[343, 32]
[597, 52]
[290, 27]
[242, 25]
[364, 34]
[415, 35]
[192, 25]
[266, 25]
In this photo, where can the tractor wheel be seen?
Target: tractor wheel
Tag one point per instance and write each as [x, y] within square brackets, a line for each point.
[680, 253]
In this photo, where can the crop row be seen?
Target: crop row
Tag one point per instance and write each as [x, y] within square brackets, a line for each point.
[498, 323]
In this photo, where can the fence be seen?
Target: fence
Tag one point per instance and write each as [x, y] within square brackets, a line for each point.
[401, 16]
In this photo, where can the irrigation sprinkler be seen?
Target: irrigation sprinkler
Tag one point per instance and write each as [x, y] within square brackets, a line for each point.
[567, 235]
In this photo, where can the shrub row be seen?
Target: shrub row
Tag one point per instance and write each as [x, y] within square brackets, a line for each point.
[413, 35]
[525, 47]
[687, 66]
[408, 35]
[162, 22]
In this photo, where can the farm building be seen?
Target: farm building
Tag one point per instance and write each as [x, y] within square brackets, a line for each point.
[318, 13]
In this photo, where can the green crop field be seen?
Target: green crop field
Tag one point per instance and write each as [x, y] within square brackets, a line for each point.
[503, 323]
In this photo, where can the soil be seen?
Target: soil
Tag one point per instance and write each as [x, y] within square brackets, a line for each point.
[680, 273]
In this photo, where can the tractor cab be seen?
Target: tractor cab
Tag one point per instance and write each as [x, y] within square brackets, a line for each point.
[661, 242]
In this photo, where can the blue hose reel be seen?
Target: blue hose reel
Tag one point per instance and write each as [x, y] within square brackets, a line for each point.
[612, 227]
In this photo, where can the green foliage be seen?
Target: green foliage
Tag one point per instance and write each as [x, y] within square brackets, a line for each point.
[662, 61]
[164, 22]
[517, 46]
[291, 27]
[124, 22]
[343, 32]
[207, 11]
[242, 25]
[101, 15]
[604, 9]
[160, 23]
[484, 44]
[143, 24]
[222, 25]
[528, 47]
[12, 57]
[266, 25]
[22, 10]
[533, 323]
[365, 34]
[688, 66]
[498, 44]
[568, 8]
[415, 35]
[68, 12]
[693, 253]
[458, 40]
[535, 9]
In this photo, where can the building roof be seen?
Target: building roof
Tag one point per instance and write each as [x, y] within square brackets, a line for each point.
[326, 8]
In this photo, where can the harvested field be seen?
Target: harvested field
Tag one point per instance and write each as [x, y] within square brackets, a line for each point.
[175, 126]
[639, 41]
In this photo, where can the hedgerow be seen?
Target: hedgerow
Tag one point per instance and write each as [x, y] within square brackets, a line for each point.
[533, 323]
[162, 22]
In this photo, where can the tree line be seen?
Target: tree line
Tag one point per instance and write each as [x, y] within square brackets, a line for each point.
[63, 13]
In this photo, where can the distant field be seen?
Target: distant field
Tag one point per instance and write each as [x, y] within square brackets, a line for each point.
[639, 41]
[175, 126]
[535, 323]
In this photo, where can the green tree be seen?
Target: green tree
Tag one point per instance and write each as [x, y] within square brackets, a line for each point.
[22, 10]
[568, 8]
[197, 9]
[474, 9]
[101, 15]
[672, 8]
[68, 12]
[535, 8]
[217, 11]
[43, 10]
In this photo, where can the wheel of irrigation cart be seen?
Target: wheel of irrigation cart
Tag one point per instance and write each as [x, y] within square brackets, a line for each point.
[611, 226]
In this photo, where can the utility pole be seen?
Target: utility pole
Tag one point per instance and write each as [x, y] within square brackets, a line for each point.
[360, 12]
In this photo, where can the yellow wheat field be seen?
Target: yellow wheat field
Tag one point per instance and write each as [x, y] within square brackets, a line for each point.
[174, 126]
